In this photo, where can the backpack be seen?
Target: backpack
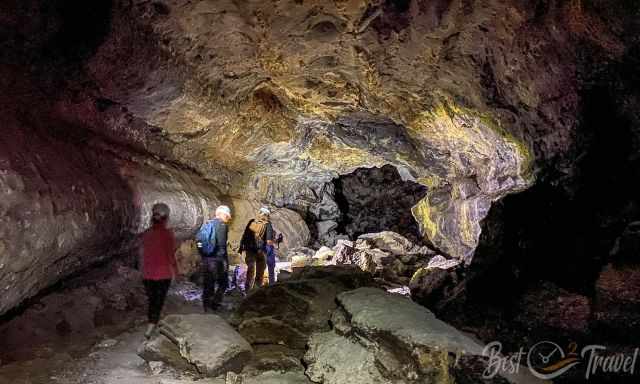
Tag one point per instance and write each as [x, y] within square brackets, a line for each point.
[206, 238]
[248, 241]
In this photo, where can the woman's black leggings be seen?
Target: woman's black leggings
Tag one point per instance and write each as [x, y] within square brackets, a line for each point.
[156, 293]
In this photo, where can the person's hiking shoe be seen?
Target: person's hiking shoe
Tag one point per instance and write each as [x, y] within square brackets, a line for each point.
[149, 332]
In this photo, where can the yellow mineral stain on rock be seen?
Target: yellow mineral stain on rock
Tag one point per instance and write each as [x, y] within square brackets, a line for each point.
[422, 213]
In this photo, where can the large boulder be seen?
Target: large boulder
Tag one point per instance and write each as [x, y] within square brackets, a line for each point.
[207, 343]
[272, 357]
[300, 257]
[327, 232]
[432, 283]
[379, 337]
[324, 255]
[336, 359]
[366, 258]
[387, 255]
[551, 310]
[395, 243]
[288, 312]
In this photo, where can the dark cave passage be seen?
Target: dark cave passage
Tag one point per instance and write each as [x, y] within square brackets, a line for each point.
[548, 257]
[375, 200]
[565, 233]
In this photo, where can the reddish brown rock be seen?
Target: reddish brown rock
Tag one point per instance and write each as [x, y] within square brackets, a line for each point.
[617, 301]
[554, 311]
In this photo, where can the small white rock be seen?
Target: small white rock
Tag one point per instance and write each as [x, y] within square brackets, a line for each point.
[108, 343]
[156, 367]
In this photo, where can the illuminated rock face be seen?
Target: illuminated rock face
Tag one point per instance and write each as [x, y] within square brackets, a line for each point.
[283, 96]
[65, 208]
[269, 101]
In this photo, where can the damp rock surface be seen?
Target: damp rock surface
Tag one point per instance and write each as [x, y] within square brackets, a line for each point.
[286, 313]
[205, 342]
[386, 338]
[71, 207]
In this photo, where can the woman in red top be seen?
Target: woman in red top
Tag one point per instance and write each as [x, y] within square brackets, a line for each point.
[159, 262]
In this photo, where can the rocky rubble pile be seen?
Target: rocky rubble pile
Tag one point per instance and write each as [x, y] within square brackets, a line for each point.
[386, 255]
[111, 296]
[394, 261]
[325, 325]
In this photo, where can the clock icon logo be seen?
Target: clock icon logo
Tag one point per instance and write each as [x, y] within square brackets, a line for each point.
[547, 360]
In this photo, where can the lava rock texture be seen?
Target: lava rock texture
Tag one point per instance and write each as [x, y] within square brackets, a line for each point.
[109, 106]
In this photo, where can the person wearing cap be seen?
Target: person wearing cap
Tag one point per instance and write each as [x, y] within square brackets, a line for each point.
[158, 262]
[258, 235]
[214, 264]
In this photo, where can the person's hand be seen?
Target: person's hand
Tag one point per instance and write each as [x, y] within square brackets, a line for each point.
[270, 242]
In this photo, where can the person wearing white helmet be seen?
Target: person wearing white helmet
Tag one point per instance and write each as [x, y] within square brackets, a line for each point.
[159, 264]
[211, 242]
[257, 237]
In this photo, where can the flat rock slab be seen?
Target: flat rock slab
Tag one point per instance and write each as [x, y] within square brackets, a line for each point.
[205, 342]
[394, 243]
[288, 312]
[373, 312]
[379, 337]
[334, 359]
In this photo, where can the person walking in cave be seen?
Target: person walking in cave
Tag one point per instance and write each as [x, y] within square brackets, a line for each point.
[214, 264]
[257, 237]
[159, 264]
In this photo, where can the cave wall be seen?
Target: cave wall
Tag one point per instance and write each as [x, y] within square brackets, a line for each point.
[564, 229]
[67, 205]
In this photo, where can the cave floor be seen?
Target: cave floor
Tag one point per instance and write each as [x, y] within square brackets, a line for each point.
[112, 360]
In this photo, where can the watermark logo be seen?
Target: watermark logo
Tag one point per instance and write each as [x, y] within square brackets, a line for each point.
[547, 360]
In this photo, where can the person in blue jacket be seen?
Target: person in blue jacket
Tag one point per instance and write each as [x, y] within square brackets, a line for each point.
[211, 242]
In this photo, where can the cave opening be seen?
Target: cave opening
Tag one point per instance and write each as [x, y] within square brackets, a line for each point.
[377, 199]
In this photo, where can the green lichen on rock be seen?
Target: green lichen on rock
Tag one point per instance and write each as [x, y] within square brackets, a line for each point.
[521, 146]
[431, 181]
[472, 160]
[422, 213]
